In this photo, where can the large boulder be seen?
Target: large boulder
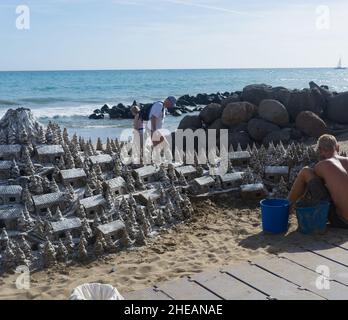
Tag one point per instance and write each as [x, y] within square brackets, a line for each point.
[218, 125]
[273, 111]
[241, 137]
[95, 116]
[281, 94]
[233, 98]
[190, 122]
[283, 135]
[238, 112]
[337, 108]
[258, 128]
[210, 113]
[202, 99]
[324, 91]
[306, 100]
[255, 93]
[310, 124]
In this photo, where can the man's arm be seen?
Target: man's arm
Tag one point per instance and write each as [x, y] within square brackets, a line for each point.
[153, 124]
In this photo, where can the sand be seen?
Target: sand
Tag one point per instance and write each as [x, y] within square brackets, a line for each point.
[220, 234]
[223, 232]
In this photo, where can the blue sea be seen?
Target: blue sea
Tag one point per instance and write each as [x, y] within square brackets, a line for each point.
[69, 97]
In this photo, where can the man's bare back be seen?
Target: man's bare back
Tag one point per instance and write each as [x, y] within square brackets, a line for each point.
[334, 171]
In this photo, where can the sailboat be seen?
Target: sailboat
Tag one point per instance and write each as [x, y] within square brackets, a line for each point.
[339, 66]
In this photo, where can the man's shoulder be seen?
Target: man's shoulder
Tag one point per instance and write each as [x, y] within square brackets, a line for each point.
[156, 108]
[158, 104]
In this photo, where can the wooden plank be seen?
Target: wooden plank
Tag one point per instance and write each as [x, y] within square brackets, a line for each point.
[146, 294]
[227, 287]
[303, 277]
[269, 284]
[329, 251]
[184, 289]
[343, 245]
[312, 261]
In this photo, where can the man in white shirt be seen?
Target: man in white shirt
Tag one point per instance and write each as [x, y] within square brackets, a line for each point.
[156, 118]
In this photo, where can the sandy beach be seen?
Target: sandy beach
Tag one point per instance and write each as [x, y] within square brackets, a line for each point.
[220, 234]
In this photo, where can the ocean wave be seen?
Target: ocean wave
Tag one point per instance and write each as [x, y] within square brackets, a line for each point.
[8, 103]
[46, 100]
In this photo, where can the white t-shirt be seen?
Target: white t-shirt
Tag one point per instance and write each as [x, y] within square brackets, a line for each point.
[159, 112]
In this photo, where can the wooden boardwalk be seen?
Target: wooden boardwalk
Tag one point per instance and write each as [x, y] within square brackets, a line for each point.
[290, 275]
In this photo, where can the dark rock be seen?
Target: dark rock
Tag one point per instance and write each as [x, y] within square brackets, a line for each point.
[202, 98]
[305, 100]
[177, 113]
[97, 111]
[233, 98]
[190, 122]
[218, 125]
[273, 111]
[105, 108]
[120, 112]
[295, 134]
[258, 128]
[255, 93]
[242, 137]
[283, 135]
[310, 124]
[238, 112]
[324, 90]
[95, 116]
[337, 108]
[243, 126]
[210, 113]
[281, 94]
[216, 98]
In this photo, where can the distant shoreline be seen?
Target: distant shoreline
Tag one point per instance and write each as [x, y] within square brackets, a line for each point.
[168, 69]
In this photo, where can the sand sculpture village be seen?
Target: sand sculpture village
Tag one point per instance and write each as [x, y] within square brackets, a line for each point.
[63, 199]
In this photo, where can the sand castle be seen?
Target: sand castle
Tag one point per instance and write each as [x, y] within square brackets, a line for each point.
[63, 199]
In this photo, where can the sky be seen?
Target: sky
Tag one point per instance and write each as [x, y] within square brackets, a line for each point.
[173, 34]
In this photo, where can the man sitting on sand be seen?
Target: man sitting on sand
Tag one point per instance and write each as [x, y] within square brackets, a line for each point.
[327, 181]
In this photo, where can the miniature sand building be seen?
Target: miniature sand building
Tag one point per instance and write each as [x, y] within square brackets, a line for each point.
[253, 191]
[49, 201]
[113, 229]
[147, 173]
[240, 158]
[147, 195]
[117, 186]
[203, 184]
[49, 153]
[104, 161]
[5, 169]
[74, 177]
[231, 180]
[59, 228]
[274, 173]
[10, 194]
[189, 172]
[93, 205]
[10, 151]
[9, 217]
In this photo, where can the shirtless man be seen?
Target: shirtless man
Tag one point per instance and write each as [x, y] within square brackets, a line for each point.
[327, 181]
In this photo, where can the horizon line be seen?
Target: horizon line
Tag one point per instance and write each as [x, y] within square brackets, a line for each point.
[165, 69]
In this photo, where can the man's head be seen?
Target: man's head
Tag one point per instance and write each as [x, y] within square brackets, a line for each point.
[327, 146]
[170, 102]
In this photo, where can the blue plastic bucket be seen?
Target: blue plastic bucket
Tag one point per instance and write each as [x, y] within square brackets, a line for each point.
[275, 215]
[313, 219]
